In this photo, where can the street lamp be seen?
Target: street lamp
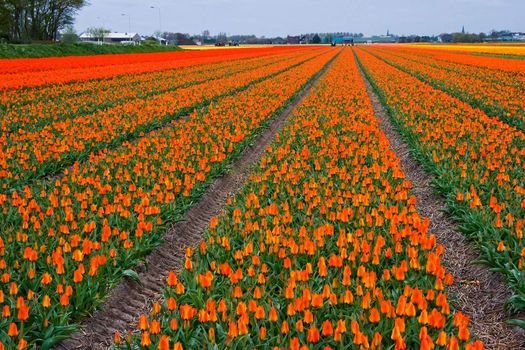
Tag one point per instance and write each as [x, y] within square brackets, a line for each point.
[160, 18]
[129, 21]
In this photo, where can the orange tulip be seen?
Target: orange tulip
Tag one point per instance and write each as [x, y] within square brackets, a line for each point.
[13, 330]
[313, 335]
[327, 328]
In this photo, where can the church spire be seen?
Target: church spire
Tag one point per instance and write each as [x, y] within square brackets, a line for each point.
[463, 30]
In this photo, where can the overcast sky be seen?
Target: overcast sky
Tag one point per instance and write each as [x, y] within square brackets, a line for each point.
[282, 17]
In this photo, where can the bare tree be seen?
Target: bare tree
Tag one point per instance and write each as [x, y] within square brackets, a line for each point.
[98, 33]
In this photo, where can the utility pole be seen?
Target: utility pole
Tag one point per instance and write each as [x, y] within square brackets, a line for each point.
[129, 21]
[160, 16]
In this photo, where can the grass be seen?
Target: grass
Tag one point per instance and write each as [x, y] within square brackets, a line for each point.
[79, 49]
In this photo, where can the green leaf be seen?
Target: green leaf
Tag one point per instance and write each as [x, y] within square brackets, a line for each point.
[51, 342]
[516, 322]
[133, 275]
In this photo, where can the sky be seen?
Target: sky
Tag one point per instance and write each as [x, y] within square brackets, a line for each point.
[291, 17]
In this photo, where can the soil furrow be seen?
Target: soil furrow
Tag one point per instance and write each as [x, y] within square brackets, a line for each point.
[98, 330]
[478, 292]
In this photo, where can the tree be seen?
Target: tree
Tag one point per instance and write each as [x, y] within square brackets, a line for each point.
[98, 33]
[5, 21]
[222, 37]
[446, 37]
[329, 38]
[316, 39]
[11, 19]
[69, 35]
[25, 20]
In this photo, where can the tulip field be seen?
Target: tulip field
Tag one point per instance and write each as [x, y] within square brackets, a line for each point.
[478, 157]
[322, 247]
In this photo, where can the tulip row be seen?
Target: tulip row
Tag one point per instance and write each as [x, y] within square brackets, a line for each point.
[322, 248]
[474, 59]
[65, 242]
[30, 109]
[478, 163]
[27, 73]
[496, 75]
[31, 154]
[515, 49]
[497, 93]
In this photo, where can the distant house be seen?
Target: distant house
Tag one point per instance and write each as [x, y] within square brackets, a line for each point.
[279, 41]
[346, 40]
[293, 40]
[127, 38]
[519, 36]
[89, 38]
[505, 36]
[383, 39]
[112, 38]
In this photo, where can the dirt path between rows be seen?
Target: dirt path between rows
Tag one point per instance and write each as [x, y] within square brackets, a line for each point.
[478, 292]
[129, 300]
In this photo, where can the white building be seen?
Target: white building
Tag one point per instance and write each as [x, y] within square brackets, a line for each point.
[113, 38]
[127, 38]
[88, 38]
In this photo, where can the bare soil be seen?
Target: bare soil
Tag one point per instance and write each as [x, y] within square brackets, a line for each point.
[478, 292]
[121, 310]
